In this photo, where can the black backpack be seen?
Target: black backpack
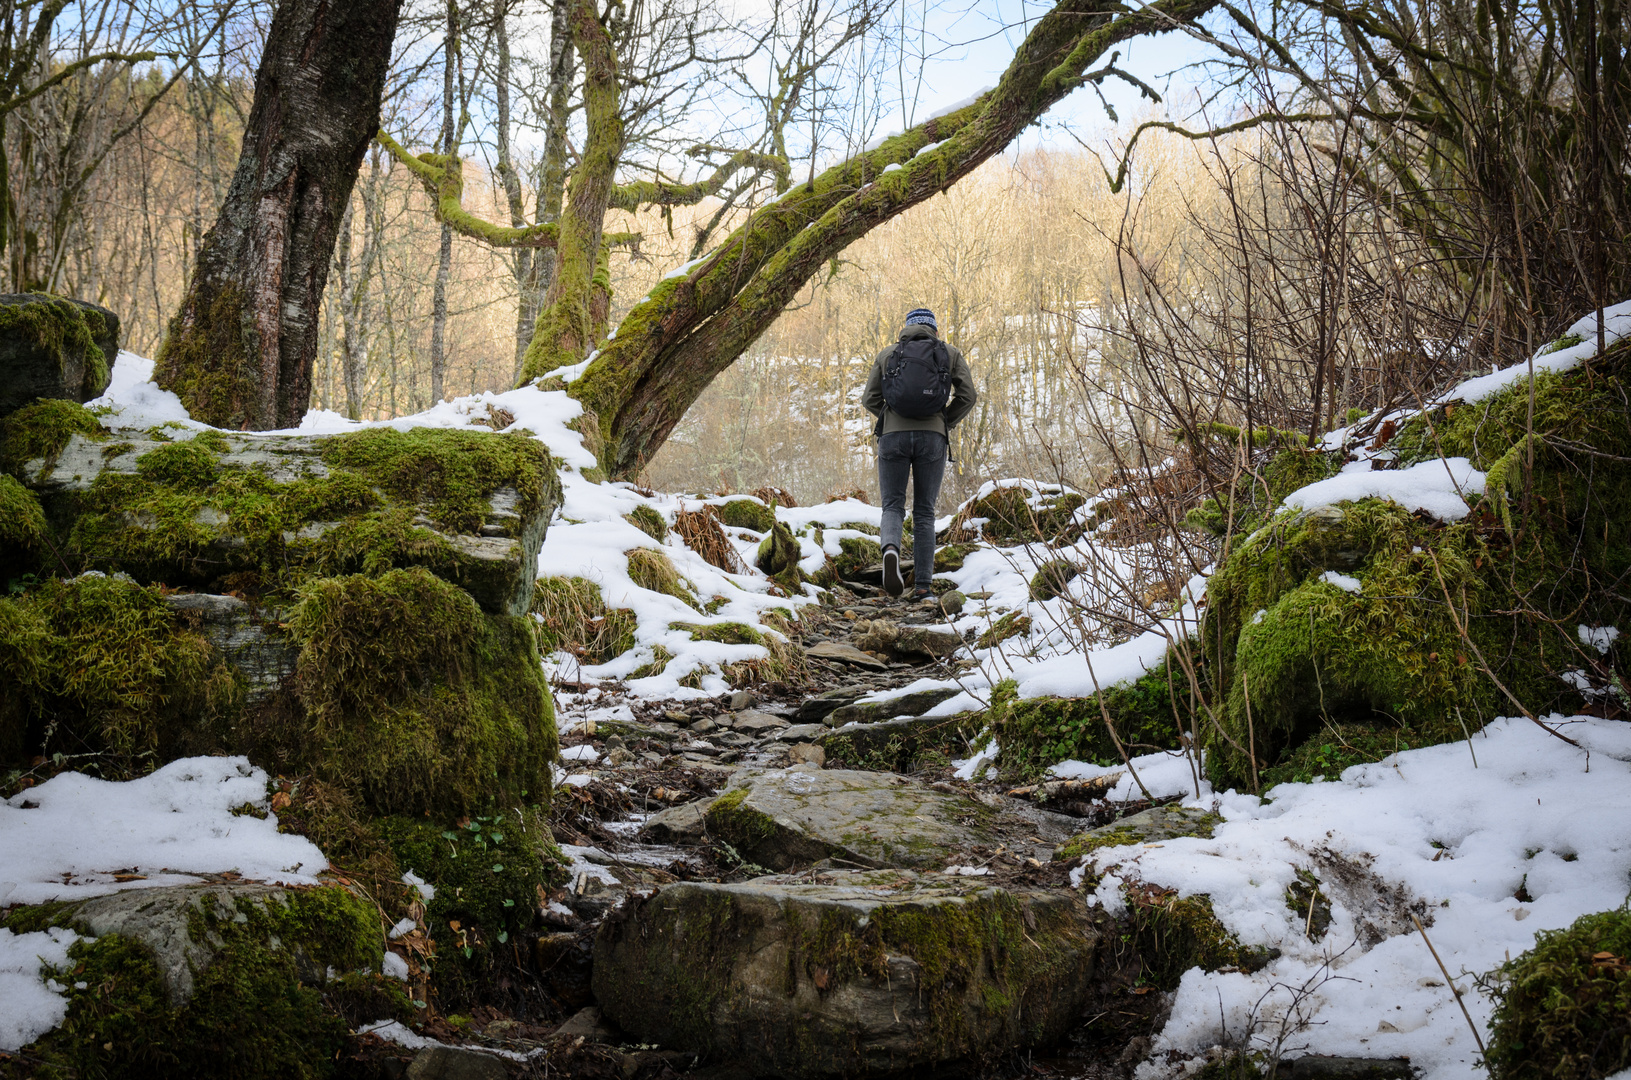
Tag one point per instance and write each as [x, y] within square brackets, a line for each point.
[917, 378]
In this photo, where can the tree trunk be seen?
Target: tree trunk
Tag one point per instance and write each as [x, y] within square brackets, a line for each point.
[240, 351]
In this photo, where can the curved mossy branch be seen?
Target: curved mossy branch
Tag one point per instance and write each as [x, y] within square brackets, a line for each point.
[443, 178]
[693, 326]
[641, 193]
[1118, 181]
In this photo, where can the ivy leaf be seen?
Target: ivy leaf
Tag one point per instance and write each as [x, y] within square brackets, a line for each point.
[449, 835]
[509, 903]
[497, 838]
[503, 936]
[498, 868]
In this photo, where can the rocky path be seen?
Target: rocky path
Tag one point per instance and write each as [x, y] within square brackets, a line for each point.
[789, 882]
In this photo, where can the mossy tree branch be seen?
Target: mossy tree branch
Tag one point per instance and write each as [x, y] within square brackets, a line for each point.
[691, 328]
[642, 193]
[443, 178]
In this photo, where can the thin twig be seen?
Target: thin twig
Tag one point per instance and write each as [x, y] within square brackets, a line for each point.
[1454, 989]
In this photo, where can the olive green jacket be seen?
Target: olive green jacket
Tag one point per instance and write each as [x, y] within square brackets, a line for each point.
[962, 392]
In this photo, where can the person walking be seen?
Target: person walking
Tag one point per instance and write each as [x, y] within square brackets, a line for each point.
[919, 388]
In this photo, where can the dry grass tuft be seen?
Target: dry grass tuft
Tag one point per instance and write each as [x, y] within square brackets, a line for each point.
[701, 531]
[775, 496]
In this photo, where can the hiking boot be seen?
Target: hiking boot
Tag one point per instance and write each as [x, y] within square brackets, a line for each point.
[892, 583]
[919, 595]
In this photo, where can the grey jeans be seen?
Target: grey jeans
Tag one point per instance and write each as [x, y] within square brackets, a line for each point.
[922, 456]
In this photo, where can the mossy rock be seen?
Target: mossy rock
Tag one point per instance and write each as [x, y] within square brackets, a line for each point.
[1563, 1009]
[23, 530]
[213, 980]
[573, 617]
[1310, 656]
[1017, 515]
[857, 554]
[1012, 625]
[951, 557]
[38, 433]
[1035, 733]
[417, 699]
[865, 973]
[1336, 747]
[747, 513]
[1146, 827]
[784, 819]
[1052, 578]
[51, 347]
[260, 515]
[902, 745]
[726, 633]
[778, 557]
[1173, 934]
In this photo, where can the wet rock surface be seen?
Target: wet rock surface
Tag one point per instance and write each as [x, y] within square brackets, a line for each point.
[843, 973]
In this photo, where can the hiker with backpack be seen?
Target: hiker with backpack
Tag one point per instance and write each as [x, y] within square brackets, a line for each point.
[919, 388]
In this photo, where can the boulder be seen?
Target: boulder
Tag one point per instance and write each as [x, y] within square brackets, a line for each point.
[754, 722]
[54, 348]
[783, 818]
[455, 1063]
[179, 924]
[871, 712]
[857, 973]
[251, 641]
[678, 824]
[202, 509]
[807, 754]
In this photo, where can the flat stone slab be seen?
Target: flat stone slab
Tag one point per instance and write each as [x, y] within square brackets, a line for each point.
[905, 737]
[851, 973]
[871, 712]
[754, 722]
[812, 709]
[844, 654]
[784, 818]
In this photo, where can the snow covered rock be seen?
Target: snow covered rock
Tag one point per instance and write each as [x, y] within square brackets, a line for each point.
[783, 818]
[53, 348]
[862, 972]
[870, 712]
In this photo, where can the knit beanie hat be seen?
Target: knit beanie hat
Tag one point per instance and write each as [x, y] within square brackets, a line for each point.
[921, 317]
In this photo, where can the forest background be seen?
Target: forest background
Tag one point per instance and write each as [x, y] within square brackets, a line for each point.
[1109, 307]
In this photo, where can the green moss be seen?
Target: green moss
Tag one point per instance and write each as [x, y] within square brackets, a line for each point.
[1089, 842]
[649, 521]
[856, 553]
[655, 666]
[488, 874]
[951, 557]
[100, 669]
[1172, 935]
[1015, 515]
[22, 522]
[778, 557]
[1335, 747]
[186, 518]
[1052, 578]
[205, 360]
[259, 1009]
[747, 513]
[987, 938]
[572, 617]
[728, 633]
[1035, 733]
[1010, 625]
[652, 570]
[417, 699]
[1563, 1009]
[66, 330]
[737, 825]
[41, 430]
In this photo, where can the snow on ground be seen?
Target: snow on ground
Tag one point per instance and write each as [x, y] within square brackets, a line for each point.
[1423, 829]
[74, 837]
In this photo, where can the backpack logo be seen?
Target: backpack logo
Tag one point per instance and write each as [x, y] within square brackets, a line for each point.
[917, 378]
